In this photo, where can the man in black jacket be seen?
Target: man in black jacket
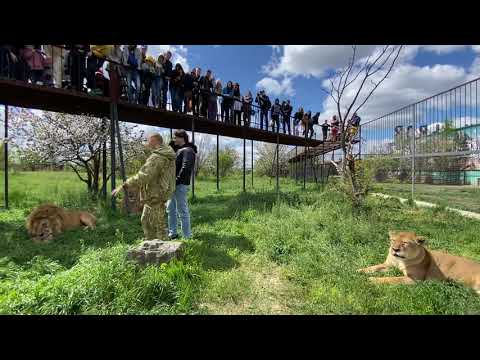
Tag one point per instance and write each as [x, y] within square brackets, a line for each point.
[265, 104]
[286, 112]
[185, 165]
[206, 88]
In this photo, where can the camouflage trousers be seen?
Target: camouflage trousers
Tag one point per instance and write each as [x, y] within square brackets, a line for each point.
[153, 221]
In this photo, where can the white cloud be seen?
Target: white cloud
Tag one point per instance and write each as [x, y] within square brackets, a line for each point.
[405, 85]
[275, 87]
[310, 60]
[476, 48]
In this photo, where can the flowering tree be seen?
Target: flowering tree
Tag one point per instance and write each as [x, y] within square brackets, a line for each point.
[72, 140]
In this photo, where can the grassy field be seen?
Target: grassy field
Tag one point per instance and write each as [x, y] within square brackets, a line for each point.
[250, 254]
[460, 197]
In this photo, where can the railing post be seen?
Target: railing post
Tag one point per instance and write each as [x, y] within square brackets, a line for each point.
[5, 153]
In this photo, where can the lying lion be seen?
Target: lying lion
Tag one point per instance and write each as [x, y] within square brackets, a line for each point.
[417, 263]
[48, 220]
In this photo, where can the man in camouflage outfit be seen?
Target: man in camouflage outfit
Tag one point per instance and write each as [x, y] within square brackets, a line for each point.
[156, 180]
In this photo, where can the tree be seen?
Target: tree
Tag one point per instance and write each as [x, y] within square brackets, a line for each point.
[266, 159]
[72, 140]
[228, 161]
[206, 148]
[352, 81]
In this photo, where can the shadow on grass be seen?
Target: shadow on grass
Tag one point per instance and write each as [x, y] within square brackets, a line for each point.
[66, 249]
[214, 251]
[211, 208]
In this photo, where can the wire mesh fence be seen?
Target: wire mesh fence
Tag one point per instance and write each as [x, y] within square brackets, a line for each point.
[434, 142]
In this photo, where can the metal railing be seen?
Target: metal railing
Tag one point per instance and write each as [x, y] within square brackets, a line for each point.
[433, 141]
[74, 69]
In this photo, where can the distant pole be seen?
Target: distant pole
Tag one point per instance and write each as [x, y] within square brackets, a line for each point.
[5, 159]
[252, 164]
[296, 163]
[112, 154]
[360, 142]
[218, 179]
[305, 163]
[193, 172]
[104, 162]
[120, 157]
[278, 182]
[413, 151]
[244, 161]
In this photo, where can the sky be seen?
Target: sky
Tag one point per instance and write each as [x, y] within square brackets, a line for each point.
[298, 72]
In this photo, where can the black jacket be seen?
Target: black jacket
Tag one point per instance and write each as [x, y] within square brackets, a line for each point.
[188, 82]
[168, 68]
[185, 162]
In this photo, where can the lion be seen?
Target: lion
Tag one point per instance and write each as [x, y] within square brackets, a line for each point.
[135, 201]
[417, 263]
[48, 220]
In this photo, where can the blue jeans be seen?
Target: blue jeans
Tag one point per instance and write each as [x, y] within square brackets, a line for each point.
[157, 87]
[133, 75]
[179, 202]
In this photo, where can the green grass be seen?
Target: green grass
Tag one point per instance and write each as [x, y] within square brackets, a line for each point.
[459, 197]
[250, 254]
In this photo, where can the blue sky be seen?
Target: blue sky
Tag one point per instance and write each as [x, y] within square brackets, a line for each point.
[297, 72]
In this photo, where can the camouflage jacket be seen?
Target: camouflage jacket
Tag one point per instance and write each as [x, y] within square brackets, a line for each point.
[156, 178]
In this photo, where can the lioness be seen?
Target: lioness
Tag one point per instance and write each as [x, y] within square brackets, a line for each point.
[408, 254]
[48, 220]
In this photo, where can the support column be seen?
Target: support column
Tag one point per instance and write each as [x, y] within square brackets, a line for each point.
[218, 179]
[413, 151]
[120, 156]
[305, 150]
[278, 183]
[296, 163]
[104, 163]
[193, 170]
[244, 161]
[112, 155]
[5, 153]
[252, 164]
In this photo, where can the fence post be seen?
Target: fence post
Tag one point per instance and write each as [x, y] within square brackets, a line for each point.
[193, 172]
[5, 152]
[413, 151]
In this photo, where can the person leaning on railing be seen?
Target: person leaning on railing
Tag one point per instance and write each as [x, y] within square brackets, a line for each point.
[158, 79]
[96, 58]
[286, 113]
[275, 115]
[131, 59]
[247, 101]
[148, 70]
[196, 91]
[212, 102]
[237, 104]
[177, 86]
[206, 87]
[265, 104]
[297, 120]
[227, 102]
[218, 98]
[188, 91]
